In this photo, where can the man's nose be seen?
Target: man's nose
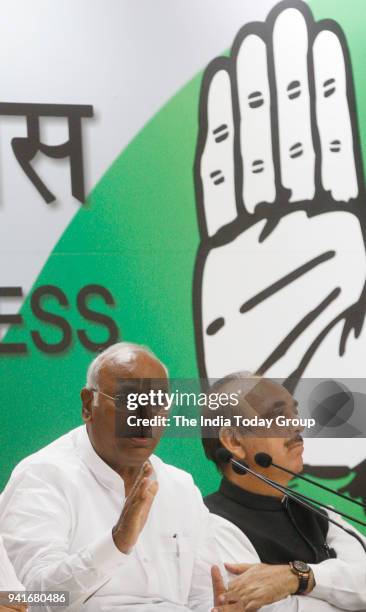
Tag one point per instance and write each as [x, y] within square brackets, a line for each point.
[146, 413]
[300, 428]
[296, 426]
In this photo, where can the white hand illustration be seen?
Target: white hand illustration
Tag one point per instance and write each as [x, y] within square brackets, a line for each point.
[280, 273]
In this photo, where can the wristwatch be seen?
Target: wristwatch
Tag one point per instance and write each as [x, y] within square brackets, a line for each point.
[302, 571]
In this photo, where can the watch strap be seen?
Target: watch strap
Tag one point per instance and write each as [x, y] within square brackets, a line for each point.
[303, 578]
[303, 583]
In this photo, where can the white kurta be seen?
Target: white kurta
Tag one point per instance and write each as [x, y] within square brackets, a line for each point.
[56, 515]
[340, 583]
[8, 579]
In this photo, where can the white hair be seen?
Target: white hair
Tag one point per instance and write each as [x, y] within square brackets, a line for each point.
[122, 353]
[248, 381]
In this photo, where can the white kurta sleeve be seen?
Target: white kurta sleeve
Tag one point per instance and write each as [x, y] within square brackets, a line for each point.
[206, 555]
[342, 581]
[8, 578]
[37, 524]
[235, 547]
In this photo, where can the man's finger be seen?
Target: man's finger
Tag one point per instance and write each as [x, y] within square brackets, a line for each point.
[142, 485]
[150, 490]
[215, 170]
[297, 156]
[334, 118]
[144, 491]
[236, 607]
[218, 584]
[258, 184]
[144, 474]
[238, 568]
[250, 606]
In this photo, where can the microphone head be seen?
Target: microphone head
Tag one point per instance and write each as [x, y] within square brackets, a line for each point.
[223, 455]
[239, 467]
[263, 459]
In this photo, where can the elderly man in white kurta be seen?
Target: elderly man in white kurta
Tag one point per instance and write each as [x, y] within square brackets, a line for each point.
[96, 514]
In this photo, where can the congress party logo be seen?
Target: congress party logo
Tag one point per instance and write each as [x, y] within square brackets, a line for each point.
[279, 285]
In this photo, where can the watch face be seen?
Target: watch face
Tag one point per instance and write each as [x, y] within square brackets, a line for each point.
[300, 566]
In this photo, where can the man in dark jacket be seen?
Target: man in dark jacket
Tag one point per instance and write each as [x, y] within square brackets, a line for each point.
[295, 552]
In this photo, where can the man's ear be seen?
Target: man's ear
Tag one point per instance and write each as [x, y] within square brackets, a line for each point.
[231, 440]
[86, 404]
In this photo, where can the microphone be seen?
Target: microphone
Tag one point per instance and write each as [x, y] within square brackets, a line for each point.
[225, 456]
[242, 467]
[265, 460]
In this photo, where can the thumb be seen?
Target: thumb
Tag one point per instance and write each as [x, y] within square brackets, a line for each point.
[237, 568]
[218, 585]
[151, 489]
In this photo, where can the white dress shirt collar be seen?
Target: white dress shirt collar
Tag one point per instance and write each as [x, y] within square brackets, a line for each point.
[104, 474]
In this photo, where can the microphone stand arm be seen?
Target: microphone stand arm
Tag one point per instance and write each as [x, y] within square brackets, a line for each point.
[298, 498]
[317, 484]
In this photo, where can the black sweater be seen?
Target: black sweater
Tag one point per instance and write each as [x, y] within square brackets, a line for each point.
[279, 529]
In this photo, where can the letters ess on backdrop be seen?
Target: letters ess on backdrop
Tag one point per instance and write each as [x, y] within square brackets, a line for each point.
[279, 281]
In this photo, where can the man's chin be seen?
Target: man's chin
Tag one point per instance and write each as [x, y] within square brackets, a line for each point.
[134, 452]
[295, 454]
[298, 464]
[137, 444]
